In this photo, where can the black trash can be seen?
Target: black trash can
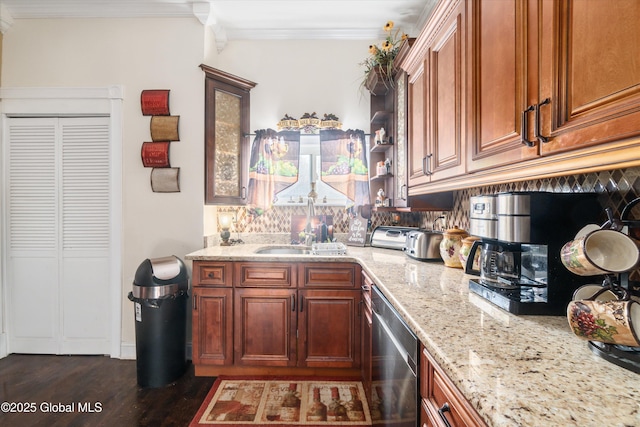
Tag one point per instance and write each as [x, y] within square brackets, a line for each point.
[160, 305]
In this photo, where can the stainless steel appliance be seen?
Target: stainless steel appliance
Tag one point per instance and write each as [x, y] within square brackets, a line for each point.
[483, 219]
[394, 389]
[390, 237]
[520, 268]
[423, 245]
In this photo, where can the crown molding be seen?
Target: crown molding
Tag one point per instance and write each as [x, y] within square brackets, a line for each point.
[6, 20]
[302, 34]
[204, 13]
[104, 10]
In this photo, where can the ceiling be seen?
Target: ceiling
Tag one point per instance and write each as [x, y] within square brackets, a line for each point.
[245, 19]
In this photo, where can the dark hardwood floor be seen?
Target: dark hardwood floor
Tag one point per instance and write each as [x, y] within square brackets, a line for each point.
[83, 383]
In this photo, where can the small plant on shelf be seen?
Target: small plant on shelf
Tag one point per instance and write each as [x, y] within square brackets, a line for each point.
[379, 66]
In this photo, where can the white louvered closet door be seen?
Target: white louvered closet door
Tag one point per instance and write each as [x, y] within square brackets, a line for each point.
[58, 235]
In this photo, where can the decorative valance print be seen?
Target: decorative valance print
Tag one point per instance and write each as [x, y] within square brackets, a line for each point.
[344, 164]
[273, 166]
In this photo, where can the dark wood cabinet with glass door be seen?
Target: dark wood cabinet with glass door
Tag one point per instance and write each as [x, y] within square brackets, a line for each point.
[227, 143]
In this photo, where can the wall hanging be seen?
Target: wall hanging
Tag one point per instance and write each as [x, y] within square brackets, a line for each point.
[164, 129]
[154, 102]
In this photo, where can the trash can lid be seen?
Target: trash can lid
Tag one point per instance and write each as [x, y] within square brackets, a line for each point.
[161, 271]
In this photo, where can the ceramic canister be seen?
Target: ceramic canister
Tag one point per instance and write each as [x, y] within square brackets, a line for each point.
[467, 242]
[450, 246]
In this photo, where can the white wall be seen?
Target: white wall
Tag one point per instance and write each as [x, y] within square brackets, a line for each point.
[292, 77]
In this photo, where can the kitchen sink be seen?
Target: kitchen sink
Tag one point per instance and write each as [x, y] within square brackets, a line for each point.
[288, 250]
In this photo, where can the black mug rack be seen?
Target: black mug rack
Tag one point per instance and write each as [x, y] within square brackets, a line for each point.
[623, 356]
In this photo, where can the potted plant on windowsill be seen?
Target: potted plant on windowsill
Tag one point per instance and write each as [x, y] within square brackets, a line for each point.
[379, 66]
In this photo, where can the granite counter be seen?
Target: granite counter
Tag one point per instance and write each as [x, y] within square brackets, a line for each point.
[515, 370]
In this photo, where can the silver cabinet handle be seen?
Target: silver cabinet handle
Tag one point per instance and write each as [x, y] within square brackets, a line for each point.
[425, 164]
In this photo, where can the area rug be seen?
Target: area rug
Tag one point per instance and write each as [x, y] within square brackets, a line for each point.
[309, 402]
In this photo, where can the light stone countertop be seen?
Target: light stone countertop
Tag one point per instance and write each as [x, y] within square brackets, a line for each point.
[515, 370]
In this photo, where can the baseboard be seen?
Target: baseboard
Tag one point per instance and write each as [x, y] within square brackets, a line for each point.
[3, 345]
[128, 351]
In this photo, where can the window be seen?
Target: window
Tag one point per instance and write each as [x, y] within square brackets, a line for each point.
[308, 171]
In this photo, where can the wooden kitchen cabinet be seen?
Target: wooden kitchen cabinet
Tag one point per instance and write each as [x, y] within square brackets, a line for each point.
[280, 316]
[546, 88]
[329, 315]
[227, 144]
[329, 328]
[558, 71]
[315, 326]
[504, 83]
[442, 404]
[265, 324]
[589, 72]
[437, 126]
[212, 326]
[212, 313]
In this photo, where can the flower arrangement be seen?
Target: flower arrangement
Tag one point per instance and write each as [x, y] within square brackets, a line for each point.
[381, 57]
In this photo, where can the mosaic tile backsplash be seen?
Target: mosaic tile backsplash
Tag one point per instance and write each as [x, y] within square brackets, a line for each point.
[616, 189]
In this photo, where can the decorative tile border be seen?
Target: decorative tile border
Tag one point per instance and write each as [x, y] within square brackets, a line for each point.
[616, 188]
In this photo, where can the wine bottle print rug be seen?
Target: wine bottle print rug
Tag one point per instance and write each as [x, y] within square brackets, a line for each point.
[284, 402]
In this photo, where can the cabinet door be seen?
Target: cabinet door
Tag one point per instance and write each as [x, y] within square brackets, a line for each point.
[226, 137]
[446, 123]
[503, 83]
[265, 327]
[329, 329]
[417, 144]
[212, 331]
[400, 144]
[590, 72]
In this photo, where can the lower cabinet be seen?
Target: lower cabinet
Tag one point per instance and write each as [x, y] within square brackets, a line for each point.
[442, 404]
[329, 329]
[212, 320]
[274, 317]
[265, 327]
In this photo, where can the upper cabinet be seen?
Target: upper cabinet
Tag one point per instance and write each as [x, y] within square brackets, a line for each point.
[437, 99]
[589, 73]
[227, 143]
[504, 83]
[522, 89]
[552, 76]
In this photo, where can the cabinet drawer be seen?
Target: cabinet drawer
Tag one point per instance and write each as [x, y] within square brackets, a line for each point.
[212, 273]
[265, 274]
[442, 399]
[329, 275]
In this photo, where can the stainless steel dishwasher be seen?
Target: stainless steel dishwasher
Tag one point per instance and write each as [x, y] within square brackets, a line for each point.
[394, 389]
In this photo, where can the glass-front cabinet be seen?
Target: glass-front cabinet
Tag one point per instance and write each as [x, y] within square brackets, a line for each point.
[227, 141]
[400, 193]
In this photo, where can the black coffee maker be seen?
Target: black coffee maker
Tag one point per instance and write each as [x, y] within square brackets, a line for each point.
[519, 265]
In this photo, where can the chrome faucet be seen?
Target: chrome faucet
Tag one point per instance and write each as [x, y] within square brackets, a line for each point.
[309, 236]
[441, 217]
